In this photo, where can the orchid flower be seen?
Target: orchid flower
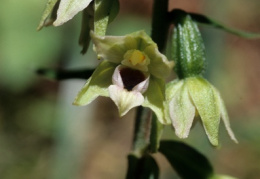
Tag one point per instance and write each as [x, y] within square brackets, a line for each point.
[194, 97]
[132, 73]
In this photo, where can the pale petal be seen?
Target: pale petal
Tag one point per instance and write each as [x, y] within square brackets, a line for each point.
[206, 102]
[172, 87]
[225, 118]
[182, 112]
[155, 97]
[125, 100]
[142, 39]
[159, 65]
[130, 42]
[68, 9]
[97, 85]
[109, 48]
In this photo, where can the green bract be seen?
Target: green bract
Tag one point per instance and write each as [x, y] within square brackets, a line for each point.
[131, 74]
[193, 96]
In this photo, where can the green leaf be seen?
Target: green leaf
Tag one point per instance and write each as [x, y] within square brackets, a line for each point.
[154, 98]
[84, 38]
[208, 21]
[176, 13]
[50, 10]
[68, 9]
[97, 84]
[188, 163]
[142, 168]
[105, 12]
[206, 102]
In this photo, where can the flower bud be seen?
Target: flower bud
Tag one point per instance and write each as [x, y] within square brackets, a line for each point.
[188, 49]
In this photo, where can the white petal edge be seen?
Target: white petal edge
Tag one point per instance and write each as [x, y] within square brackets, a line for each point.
[125, 100]
[142, 87]
[116, 78]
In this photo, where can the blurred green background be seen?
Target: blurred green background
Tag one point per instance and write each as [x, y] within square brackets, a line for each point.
[43, 136]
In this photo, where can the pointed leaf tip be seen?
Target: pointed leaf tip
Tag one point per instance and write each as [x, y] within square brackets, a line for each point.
[208, 21]
[68, 9]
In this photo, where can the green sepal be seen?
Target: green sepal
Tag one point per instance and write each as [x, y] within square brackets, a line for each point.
[105, 12]
[188, 50]
[49, 14]
[187, 162]
[181, 109]
[142, 168]
[154, 98]
[206, 100]
[97, 84]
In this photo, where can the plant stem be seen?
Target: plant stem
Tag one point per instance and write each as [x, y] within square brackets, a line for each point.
[141, 131]
[160, 23]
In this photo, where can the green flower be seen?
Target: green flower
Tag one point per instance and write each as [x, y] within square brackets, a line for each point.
[195, 96]
[132, 73]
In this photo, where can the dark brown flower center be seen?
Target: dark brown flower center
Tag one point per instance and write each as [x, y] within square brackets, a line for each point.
[131, 77]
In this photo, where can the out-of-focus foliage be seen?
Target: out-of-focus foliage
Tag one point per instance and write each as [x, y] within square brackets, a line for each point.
[23, 50]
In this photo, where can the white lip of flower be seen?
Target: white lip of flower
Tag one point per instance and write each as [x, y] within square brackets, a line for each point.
[129, 82]
[132, 73]
[126, 97]
[185, 98]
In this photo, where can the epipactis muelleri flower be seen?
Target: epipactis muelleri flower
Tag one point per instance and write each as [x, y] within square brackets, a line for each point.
[132, 73]
[195, 96]
[191, 95]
